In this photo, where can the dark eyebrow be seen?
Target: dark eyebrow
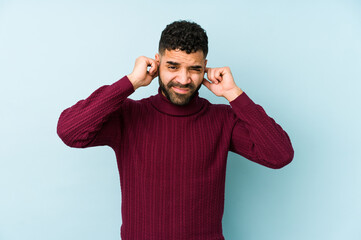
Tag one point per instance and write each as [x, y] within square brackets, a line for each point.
[177, 64]
[173, 63]
[196, 67]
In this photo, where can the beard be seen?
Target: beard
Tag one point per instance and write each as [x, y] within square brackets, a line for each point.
[177, 98]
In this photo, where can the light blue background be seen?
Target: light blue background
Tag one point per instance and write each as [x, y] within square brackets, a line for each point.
[300, 60]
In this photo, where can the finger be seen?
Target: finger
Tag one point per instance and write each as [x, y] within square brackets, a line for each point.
[219, 74]
[214, 75]
[151, 75]
[153, 67]
[210, 75]
[208, 71]
[156, 71]
[206, 83]
[146, 62]
[155, 74]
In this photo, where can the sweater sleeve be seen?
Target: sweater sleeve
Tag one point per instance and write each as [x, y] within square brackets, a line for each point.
[257, 137]
[95, 120]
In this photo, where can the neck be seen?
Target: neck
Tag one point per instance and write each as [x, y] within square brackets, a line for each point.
[164, 105]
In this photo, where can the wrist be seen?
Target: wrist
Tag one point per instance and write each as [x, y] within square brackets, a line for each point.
[233, 94]
[133, 81]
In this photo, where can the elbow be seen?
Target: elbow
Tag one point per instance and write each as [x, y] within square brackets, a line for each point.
[61, 129]
[66, 135]
[71, 137]
[62, 134]
[69, 141]
[284, 160]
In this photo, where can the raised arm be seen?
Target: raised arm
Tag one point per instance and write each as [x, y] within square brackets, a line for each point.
[95, 120]
[255, 135]
[91, 122]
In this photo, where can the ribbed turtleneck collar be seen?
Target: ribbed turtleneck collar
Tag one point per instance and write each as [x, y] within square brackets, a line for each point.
[163, 105]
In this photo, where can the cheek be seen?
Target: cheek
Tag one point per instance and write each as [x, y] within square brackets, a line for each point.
[197, 78]
[165, 76]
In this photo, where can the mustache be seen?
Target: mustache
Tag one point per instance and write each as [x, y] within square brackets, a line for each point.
[178, 85]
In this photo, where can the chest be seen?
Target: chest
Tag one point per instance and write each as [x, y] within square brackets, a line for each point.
[185, 146]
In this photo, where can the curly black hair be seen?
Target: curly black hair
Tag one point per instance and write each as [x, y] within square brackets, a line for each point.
[184, 35]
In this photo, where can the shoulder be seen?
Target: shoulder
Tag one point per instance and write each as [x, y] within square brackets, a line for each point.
[215, 106]
[218, 110]
[135, 106]
[220, 115]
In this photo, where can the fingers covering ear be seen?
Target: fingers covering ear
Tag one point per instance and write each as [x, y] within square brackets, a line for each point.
[206, 83]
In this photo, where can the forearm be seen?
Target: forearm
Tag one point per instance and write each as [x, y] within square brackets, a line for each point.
[267, 143]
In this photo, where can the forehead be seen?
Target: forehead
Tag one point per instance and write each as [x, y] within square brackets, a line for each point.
[183, 58]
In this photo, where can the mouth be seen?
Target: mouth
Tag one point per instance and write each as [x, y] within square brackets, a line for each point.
[180, 90]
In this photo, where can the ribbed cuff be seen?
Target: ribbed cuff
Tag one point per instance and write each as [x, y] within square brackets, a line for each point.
[124, 85]
[241, 101]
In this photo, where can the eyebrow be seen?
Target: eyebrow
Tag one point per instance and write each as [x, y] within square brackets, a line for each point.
[173, 63]
[196, 67]
[177, 64]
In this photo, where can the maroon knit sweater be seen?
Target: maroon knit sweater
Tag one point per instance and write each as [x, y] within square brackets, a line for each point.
[172, 159]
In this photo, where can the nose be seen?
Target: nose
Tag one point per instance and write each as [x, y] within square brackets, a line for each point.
[184, 77]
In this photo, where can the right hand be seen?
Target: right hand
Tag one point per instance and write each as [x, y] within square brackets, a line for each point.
[140, 76]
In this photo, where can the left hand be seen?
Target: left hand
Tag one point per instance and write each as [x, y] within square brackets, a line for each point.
[222, 83]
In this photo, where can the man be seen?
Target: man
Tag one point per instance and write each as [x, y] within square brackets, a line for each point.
[171, 148]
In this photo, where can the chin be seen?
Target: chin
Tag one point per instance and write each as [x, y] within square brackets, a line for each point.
[180, 99]
[177, 98]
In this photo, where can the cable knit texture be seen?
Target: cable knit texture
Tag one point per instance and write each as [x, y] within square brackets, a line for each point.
[172, 159]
